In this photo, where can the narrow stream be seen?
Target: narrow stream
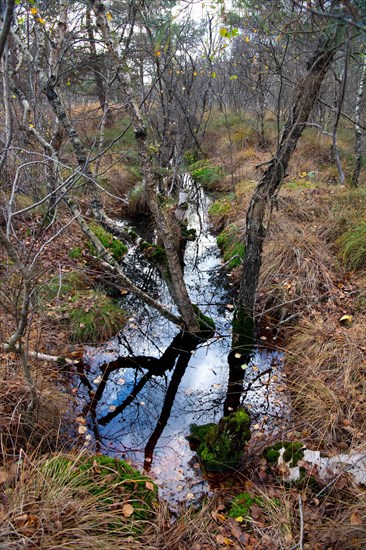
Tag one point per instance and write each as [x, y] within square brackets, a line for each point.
[148, 384]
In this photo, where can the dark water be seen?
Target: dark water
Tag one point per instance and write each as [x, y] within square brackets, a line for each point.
[151, 382]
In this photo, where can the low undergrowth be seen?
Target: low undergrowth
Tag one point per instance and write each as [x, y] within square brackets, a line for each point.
[326, 365]
[230, 241]
[68, 501]
[93, 317]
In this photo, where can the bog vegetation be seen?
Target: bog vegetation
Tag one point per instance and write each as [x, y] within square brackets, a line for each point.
[105, 109]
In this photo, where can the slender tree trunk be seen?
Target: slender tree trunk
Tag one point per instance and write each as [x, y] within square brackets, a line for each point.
[260, 207]
[342, 91]
[358, 129]
[99, 82]
[178, 287]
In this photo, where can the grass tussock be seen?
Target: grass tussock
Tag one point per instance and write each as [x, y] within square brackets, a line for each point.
[68, 501]
[298, 270]
[326, 365]
[46, 425]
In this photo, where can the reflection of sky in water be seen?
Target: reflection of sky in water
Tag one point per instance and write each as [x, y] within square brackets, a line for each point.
[202, 389]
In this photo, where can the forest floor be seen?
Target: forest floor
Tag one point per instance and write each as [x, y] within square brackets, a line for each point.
[311, 306]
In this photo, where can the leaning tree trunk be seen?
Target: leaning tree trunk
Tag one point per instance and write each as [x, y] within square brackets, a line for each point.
[260, 207]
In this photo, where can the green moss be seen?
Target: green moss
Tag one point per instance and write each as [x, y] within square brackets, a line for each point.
[294, 451]
[198, 434]
[230, 241]
[241, 504]
[220, 209]
[111, 243]
[222, 445]
[94, 317]
[207, 325]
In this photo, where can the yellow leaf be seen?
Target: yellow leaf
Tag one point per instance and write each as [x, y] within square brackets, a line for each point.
[31, 126]
[346, 320]
[127, 510]
[195, 73]
[42, 21]
[158, 53]
[239, 519]
[247, 39]
[303, 174]
[109, 16]
[34, 11]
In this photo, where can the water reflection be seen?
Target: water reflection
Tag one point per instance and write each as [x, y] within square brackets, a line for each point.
[144, 388]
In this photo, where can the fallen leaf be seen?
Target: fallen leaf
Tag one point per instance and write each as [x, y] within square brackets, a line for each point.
[239, 519]
[189, 496]
[112, 408]
[127, 510]
[356, 518]
[82, 430]
[346, 321]
[149, 486]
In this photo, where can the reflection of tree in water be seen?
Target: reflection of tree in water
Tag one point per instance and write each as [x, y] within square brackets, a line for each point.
[175, 358]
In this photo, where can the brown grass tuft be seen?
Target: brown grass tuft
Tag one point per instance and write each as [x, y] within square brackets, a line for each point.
[298, 270]
[326, 366]
[48, 420]
[65, 502]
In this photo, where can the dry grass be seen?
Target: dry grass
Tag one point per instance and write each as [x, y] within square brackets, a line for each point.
[347, 528]
[326, 366]
[48, 422]
[68, 501]
[297, 271]
[194, 528]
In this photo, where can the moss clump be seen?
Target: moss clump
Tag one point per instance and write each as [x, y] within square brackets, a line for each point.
[207, 325]
[241, 504]
[112, 244]
[294, 451]
[230, 241]
[221, 445]
[198, 434]
[94, 317]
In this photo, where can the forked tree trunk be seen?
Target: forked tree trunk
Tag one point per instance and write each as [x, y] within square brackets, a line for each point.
[260, 207]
